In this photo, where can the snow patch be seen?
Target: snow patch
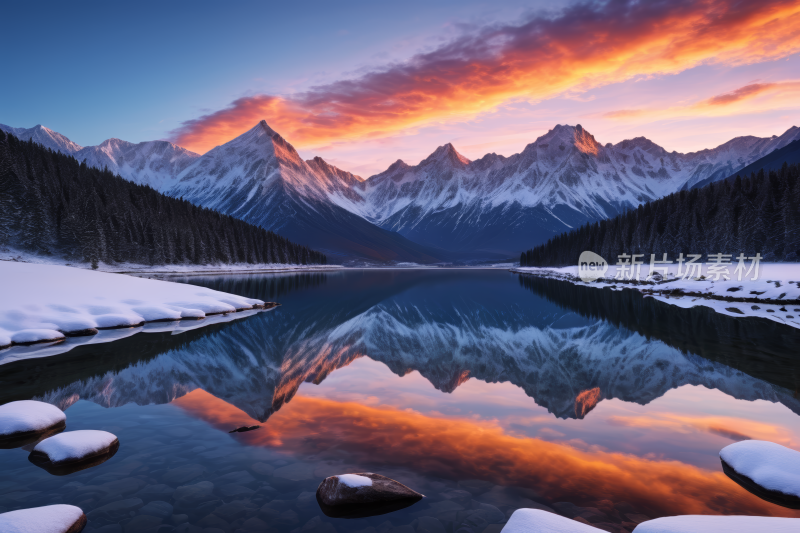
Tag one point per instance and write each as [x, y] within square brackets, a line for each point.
[75, 444]
[28, 415]
[354, 480]
[42, 302]
[770, 465]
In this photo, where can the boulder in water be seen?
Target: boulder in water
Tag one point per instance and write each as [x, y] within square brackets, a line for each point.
[73, 451]
[766, 469]
[28, 421]
[362, 495]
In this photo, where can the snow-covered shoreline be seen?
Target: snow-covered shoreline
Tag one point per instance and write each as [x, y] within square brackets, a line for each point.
[17, 256]
[48, 303]
[775, 295]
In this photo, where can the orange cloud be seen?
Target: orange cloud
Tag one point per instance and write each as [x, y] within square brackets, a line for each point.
[781, 93]
[748, 91]
[586, 45]
[465, 448]
[725, 426]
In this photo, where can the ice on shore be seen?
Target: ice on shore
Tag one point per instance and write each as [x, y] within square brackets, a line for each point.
[44, 302]
[728, 524]
[538, 521]
[48, 519]
[28, 416]
[771, 296]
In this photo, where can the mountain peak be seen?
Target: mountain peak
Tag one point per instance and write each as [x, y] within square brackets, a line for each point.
[397, 165]
[448, 155]
[564, 134]
[269, 131]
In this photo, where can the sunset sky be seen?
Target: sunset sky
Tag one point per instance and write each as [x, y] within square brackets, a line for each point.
[362, 84]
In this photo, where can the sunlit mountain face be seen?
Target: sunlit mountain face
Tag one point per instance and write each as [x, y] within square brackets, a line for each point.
[560, 393]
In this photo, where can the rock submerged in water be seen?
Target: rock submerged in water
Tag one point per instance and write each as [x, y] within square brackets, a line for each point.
[73, 451]
[244, 428]
[48, 519]
[28, 421]
[766, 469]
[363, 495]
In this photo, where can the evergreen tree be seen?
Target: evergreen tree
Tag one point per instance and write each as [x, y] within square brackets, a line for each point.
[753, 214]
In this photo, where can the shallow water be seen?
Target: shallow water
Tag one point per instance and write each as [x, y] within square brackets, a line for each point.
[484, 390]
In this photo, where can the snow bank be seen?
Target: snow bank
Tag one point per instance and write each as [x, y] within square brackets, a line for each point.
[17, 353]
[354, 480]
[769, 465]
[49, 519]
[774, 295]
[43, 302]
[74, 445]
[11, 254]
[728, 524]
[538, 521]
[29, 415]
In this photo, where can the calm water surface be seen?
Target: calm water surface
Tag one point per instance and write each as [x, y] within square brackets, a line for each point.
[483, 390]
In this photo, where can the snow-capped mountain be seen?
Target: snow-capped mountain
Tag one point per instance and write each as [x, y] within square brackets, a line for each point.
[445, 208]
[153, 163]
[563, 179]
[260, 178]
[44, 136]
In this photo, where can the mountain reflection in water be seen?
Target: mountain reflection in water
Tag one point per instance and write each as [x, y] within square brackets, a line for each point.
[570, 393]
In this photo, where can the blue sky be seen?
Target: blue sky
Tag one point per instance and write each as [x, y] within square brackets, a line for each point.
[201, 73]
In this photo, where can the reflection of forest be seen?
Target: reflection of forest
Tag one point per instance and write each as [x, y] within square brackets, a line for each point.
[761, 348]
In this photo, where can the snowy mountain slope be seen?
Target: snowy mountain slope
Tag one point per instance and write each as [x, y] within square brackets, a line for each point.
[153, 163]
[446, 207]
[563, 179]
[260, 178]
[44, 136]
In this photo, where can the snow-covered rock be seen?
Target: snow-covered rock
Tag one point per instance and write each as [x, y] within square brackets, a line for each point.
[726, 524]
[25, 421]
[538, 521]
[766, 469]
[44, 302]
[48, 519]
[72, 451]
[350, 495]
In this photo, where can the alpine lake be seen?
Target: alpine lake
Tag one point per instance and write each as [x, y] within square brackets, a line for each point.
[484, 390]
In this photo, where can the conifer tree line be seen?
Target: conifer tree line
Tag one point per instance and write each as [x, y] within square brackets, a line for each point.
[755, 214]
[52, 204]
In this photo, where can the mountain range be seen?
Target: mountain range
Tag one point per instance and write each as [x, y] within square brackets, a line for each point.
[446, 208]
